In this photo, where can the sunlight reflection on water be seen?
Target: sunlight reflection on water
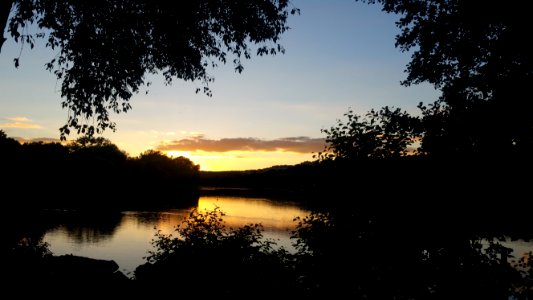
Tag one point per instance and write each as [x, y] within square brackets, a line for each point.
[127, 239]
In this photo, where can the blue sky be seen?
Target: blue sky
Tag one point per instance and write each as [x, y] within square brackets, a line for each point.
[340, 54]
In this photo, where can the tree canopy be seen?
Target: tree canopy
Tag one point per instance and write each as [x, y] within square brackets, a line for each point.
[107, 47]
[479, 55]
[383, 134]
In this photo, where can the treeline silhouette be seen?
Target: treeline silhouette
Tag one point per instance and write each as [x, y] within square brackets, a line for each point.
[93, 173]
[488, 196]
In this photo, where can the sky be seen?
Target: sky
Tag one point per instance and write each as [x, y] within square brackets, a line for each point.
[340, 55]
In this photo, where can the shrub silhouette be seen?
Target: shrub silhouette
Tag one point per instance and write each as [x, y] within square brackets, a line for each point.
[204, 257]
[349, 254]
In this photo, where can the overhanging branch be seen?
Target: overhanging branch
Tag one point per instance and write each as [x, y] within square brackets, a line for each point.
[5, 8]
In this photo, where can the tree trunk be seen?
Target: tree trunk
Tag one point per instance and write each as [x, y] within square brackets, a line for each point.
[5, 8]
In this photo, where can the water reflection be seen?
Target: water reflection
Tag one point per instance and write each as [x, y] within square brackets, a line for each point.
[125, 237]
[88, 228]
[239, 211]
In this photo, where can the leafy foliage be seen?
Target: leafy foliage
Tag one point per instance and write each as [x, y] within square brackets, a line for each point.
[31, 248]
[24, 257]
[310, 232]
[339, 254]
[386, 133]
[458, 40]
[106, 48]
[478, 55]
[204, 252]
[202, 231]
[382, 257]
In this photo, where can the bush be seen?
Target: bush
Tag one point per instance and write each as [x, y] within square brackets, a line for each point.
[204, 257]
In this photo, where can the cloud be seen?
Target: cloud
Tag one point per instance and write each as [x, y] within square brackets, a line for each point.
[20, 122]
[20, 125]
[300, 144]
[18, 119]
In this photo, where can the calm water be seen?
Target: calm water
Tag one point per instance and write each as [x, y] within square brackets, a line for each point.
[125, 238]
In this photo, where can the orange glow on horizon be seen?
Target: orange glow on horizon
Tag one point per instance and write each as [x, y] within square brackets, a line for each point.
[241, 160]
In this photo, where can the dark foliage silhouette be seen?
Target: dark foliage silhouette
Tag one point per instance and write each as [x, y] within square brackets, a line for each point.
[478, 55]
[93, 173]
[107, 48]
[382, 134]
[160, 166]
[339, 254]
[25, 261]
[352, 254]
[205, 258]
[7, 145]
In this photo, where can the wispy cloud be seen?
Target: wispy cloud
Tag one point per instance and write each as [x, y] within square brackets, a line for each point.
[20, 125]
[20, 122]
[300, 144]
[18, 119]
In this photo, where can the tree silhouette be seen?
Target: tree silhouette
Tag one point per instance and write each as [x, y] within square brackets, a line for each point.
[8, 146]
[366, 256]
[106, 48]
[159, 166]
[97, 150]
[478, 54]
[386, 133]
[234, 262]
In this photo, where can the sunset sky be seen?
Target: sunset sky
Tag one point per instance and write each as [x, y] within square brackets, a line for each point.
[339, 54]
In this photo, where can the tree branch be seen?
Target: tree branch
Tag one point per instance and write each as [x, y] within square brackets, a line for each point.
[5, 8]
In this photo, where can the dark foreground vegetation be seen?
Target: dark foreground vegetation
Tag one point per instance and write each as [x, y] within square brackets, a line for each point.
[352, 253]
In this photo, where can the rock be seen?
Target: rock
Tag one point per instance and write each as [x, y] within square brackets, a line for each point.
[79, 268]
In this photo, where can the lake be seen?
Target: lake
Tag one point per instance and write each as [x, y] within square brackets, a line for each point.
[125, 238]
